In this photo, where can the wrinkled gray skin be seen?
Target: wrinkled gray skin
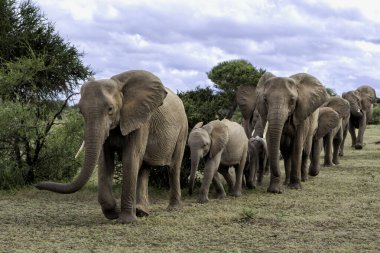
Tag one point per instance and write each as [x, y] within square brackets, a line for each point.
[134, 115]
[257, 162]
[333, 140]
[327, 123]
[222, 144]
[289, 106]
[361, 108]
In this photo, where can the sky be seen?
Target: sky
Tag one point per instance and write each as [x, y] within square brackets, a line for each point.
[181, 40]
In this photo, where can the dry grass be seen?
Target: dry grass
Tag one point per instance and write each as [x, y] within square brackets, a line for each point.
[338, 211]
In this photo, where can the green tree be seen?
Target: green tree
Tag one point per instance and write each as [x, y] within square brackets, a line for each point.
[331, 92]
[39, 74]
[228, 76]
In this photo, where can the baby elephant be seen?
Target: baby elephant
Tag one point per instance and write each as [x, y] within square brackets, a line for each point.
[222, 144]
[257, 162]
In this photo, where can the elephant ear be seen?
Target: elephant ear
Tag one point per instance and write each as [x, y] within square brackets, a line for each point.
[198, 125]
[246, 99]
[143, 93]
[218, 132]
[328, 119]
[367, 95]
[340, 105]
[262, 109]
[311, 95]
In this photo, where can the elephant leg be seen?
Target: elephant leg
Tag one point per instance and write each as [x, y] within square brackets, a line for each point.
[341, 148]
[328, 150]
[351, 129]
[336, 145]
[105, 177]
[296, 158]
[175, 202]
[220, 193]
[227, 176]
[209, 172]
[304, 168]
[132, 156]
[362, 126]
[287, 166]
[314, 157]
[142, 196]
[239, 177]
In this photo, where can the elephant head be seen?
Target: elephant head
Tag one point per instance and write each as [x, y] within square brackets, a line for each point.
[124, 102]
[340, 105]
[205, 141]
[361, 100]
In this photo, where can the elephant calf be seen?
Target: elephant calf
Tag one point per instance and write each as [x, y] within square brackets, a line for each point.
[222, 144]
[257, 162]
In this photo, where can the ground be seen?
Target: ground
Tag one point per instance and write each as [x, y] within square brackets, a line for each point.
[337, 211]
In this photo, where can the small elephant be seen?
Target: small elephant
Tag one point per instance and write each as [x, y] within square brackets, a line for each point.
[134, 115]
[361, 108]
[334, 139]
[286, 103]
[257, 162]
[327, 122]
[222, 144]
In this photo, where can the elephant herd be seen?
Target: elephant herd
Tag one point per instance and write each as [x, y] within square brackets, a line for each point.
[134, 118]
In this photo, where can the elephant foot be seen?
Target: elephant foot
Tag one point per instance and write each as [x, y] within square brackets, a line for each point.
[328, 164]
[111, 214]
[336, 161]
[358, 146]
[141, 210]
[202, 199]
[221, 195]
[251, 185]
[174, 206]
[126, 219]
[313, 173]
[304, 178]
[286, 182]
[341, 153]
[295, 186]
[237, 193]
[274, 186]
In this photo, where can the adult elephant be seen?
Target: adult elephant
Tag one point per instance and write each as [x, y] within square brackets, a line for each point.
[287, 104]
[134, 115]
[361, 108]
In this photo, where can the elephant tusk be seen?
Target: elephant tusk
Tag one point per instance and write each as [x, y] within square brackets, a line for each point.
[358, 110]
[80, 150]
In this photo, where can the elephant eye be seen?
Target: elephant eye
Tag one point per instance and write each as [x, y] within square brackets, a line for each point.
[110, 109]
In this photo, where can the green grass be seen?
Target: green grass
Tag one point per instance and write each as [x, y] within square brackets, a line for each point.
[337, 211]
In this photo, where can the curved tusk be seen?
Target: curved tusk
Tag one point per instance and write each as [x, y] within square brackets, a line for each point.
[80, 150]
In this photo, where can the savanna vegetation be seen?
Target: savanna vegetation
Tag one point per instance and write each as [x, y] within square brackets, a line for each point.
[337, 211]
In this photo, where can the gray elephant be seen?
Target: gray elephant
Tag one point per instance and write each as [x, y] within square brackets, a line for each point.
[257, 162]
[327, 124]
[361, 108]
[289, 106]
[334, 139]
[134, 115]
[222, 144]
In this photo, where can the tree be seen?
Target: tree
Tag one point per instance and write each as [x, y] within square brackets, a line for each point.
[39, 74]
[331, 92]
[228, 76]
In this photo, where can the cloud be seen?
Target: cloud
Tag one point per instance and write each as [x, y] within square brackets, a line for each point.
[180, 41]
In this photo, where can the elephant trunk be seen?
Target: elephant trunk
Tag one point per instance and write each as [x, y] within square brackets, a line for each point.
[94, 140]
[355, 110]
[195, 157]
[275, 127]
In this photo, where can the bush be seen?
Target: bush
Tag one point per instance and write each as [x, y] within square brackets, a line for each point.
[375, 120]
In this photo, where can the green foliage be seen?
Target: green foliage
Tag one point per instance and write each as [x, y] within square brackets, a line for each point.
[375, 120]
[248, 214]
[39, 73]
[331, 92]
[228, 76]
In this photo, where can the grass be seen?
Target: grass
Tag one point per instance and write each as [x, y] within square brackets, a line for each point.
[337, 211]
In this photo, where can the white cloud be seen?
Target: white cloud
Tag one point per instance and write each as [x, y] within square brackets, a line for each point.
[337, 41]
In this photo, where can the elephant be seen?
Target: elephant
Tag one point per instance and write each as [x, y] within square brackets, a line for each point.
[328, 124]
[222, 144]
[361, 108]
[333, 140]
[289, 105]
[134, 115]
[257, 162]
